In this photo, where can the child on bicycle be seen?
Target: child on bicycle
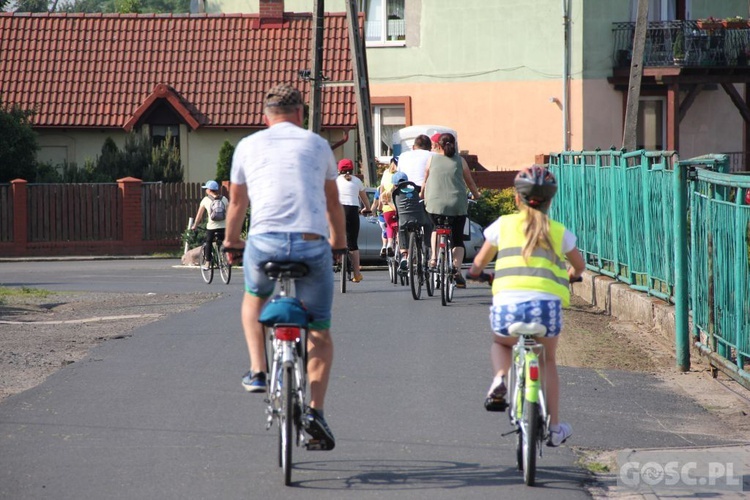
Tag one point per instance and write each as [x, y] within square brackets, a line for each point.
[216, 219]
[409, 208]
[530, 285]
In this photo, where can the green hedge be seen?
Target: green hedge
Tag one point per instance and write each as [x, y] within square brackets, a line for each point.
[492, 203]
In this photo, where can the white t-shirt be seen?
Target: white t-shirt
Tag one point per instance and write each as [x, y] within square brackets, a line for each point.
[492, 234]
[285, 168]
[414, 163]
[349, 190]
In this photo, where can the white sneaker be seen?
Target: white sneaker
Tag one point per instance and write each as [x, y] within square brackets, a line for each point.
[560, 435]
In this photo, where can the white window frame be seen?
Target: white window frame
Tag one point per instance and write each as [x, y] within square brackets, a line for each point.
[383, 40]
[377, 128]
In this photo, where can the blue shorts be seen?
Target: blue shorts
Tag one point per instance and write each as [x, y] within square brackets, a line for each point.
[314, 290]
[546, 312]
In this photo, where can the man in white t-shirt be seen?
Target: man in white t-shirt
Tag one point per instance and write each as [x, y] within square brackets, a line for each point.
[414, 163]
[288, 175]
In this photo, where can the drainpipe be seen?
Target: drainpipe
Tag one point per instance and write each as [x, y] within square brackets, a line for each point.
[566, 73]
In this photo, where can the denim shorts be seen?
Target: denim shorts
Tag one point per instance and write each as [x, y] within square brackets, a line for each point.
[314, 290]
[546, 312]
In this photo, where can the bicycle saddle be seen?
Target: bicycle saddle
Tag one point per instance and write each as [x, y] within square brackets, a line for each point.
[275, 270]
[534, 329]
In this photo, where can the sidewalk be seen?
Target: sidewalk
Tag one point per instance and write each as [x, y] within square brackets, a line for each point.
[720, 471]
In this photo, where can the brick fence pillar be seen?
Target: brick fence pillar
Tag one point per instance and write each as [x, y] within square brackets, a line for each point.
[132, 221]
[20, 216]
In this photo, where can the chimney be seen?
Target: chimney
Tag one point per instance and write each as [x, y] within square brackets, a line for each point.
[271, 13]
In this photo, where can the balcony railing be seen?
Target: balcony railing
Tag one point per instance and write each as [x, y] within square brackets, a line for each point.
[684, 43]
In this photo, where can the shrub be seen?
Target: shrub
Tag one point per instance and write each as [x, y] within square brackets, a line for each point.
[492, 203]
[224, 163]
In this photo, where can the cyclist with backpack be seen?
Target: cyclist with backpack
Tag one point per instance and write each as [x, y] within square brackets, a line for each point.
[215, 206]
[530, 285]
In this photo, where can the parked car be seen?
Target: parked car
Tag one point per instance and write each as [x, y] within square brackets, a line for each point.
[370, 241]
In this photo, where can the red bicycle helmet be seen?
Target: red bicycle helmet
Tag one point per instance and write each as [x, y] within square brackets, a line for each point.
[346, 166]
[536, 186]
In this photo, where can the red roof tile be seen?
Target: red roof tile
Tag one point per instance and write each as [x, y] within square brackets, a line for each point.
[94, 70]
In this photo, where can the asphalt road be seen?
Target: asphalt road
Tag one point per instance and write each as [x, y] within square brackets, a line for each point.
[162, 415]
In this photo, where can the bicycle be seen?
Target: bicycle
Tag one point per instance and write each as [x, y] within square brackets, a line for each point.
[219, 261]
[286, 322]
[528, 406]
[443, 274]
[417, 256]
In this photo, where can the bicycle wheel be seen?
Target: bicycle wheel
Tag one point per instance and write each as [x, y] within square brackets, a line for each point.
[287, 423]
[206, 271]
[451, 284]
[415, 267]
[393, 264]
[225, 268]
[530, 433]
[344, 271]
[428, 278]
[444, 267]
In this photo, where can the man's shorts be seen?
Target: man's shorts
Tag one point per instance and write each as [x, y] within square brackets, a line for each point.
[546, 312]
[314, 290]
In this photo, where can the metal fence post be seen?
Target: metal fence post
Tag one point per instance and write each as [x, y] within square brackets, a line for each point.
[682, 335]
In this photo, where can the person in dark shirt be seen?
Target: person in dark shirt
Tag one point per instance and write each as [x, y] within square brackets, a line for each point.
[409, 207]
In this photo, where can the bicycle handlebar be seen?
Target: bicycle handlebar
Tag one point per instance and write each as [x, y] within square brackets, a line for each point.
[576, 279]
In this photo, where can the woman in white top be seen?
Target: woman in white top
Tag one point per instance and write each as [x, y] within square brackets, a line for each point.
[351, 192]
[216, 219]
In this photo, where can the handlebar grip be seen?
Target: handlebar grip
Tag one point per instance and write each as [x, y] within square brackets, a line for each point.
[340, 251]
[576, 279]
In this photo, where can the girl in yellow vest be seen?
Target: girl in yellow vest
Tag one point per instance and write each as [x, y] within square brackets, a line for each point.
[530, 284]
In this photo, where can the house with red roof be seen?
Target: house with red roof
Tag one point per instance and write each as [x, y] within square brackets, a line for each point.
[199, 76]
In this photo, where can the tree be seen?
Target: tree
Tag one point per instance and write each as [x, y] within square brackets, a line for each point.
[165, 163]
[18, 144]
[224, 164]
[32, 6]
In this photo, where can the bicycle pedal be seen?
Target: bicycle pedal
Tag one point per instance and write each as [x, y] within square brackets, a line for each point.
[316, 445]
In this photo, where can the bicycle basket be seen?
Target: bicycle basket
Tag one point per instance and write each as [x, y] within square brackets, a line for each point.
[284, 310]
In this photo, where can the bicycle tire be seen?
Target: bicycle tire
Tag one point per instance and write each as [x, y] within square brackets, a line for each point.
[450, 286]
[443, 265]
[428, 275]
[206, 271]
[287, 423]
[394, 270]
[344, 271]
[415, 267]
[530, 432]
[225, 268]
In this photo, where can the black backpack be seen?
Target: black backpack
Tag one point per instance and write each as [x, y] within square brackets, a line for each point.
[218, 211]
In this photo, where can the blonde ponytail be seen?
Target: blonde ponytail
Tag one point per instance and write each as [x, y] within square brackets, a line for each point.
[536, 230]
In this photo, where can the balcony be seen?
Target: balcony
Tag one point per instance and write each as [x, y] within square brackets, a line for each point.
[699, 45]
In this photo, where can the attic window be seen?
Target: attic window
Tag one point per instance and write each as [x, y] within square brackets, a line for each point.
[384, 21]
[159, 134]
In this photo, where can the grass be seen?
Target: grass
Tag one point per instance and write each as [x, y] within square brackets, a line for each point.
[24, 291]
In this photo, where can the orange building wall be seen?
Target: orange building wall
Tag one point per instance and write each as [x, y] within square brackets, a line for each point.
[493, 119]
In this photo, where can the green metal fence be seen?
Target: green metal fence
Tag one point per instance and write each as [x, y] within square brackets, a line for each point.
[632, 215]
[619, 205]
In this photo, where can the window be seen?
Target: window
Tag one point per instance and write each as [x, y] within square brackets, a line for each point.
[386, 120]
[650, 132]
[384, 21]
[159, 134]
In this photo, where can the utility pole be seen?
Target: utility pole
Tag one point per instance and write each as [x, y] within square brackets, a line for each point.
[362, 93]
[636, 72]
[316, 72]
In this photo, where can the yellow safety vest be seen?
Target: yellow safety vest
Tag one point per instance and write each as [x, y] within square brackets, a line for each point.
[545, 270]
